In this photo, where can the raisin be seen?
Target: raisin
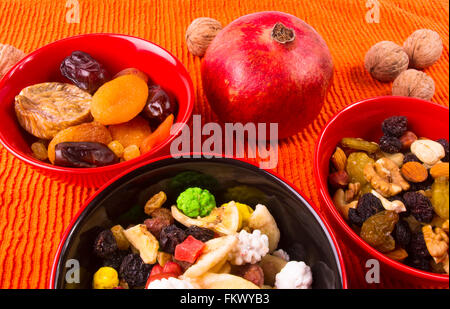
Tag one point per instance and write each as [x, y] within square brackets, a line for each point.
[402, 233]
[410, 157]
[419, 206]
[367, 206]
[183, 264]
[84, 154]
[424, 185]
[417, 247]
[105, 244]
[170, 237]
[200, 233]
[355, 167]
[155, 225]
[419, 263]
[395, 126]
[377, 229]
[159, 105]
[390, 144]
[115, 259]
[444, 144]
[134, 271]
[163, 213]
[84, 71]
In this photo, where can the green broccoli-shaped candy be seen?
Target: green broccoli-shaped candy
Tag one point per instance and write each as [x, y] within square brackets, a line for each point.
[194, 202]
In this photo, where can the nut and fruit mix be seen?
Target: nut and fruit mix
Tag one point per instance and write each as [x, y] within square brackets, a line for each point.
[395, 194]
[197, 244]
[96, 120]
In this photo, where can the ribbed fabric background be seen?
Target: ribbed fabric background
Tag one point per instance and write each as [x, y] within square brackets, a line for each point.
[34, 210]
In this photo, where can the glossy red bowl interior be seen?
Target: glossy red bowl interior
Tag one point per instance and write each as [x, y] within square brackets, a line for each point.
[363, 119]
[116, 52]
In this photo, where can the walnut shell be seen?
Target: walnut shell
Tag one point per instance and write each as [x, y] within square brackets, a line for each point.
[9, 56]
[385, 61]
[424, 47]
[47, 108]
[413, 83]
[200, 34]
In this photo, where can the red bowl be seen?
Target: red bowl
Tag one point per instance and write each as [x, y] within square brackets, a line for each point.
[116, 52]
[363, 119]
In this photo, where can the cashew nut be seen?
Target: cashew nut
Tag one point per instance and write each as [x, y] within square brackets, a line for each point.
[385, 177]
[341, 204]
[436, 241]
[396, 205]
[428, 151]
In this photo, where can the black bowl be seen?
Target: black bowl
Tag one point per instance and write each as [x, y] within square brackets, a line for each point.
[303, 233]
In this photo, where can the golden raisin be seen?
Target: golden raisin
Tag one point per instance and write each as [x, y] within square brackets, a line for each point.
[119, 100]
[39, 151]
[117, 148]
[86, 132]
[355, 167]
[131, 152]
[130, 133]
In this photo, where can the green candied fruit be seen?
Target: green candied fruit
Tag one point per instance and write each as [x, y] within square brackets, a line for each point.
[356, 162]
[195, 202]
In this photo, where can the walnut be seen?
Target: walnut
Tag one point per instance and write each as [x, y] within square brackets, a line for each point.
[424, 47]
[437, 242]
[413, 83]
[385, 177]
[353, 191]
[200, 34]
[9, 56]
[385, 61]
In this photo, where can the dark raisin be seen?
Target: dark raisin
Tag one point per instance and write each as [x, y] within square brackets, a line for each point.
[84, 154]
[162, 213]
[419, 205]
[390, 144]
[419, 263]
[410, 157]
[155, 225]
[402, 233]
[395, 126]
[170, 237]
[115, 259]
[134, 271]
[159, 105]
[200, 233]
[183, 264]
[367, 206]
[444, 143]
[417, 247]
[105, 244]
[84, 71]
[425, 185]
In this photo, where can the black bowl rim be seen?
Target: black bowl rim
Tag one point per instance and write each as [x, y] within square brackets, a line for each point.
[128, 175]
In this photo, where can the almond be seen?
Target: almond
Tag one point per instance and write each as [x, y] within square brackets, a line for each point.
[440, 170]
[339, 159]
[414, 172]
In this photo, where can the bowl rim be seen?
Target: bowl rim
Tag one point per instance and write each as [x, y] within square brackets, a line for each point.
[165, 160]
[327, 200]
[117, 166]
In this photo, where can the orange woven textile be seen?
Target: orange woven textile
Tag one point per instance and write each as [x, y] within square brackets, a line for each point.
[34, 210]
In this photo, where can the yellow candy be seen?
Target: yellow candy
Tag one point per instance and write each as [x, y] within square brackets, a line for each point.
[105, 278]
[245, 212]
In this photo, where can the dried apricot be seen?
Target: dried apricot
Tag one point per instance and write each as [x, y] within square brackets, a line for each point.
[119, 100]
[86, 132]
[132, 132]
[133, 71]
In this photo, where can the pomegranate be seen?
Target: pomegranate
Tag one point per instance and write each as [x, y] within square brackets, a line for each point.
[267, 67]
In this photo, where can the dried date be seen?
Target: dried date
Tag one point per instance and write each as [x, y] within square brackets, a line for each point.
[84, 154]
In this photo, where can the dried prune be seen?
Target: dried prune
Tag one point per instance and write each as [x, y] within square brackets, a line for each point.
[395, 126]
[419, 206]
[155, 225]
[159, 105]
[417, 246]
[390, 144]
[200, 233]
[115, 259]
[170, 237]
[105, 244]
[410, 157]
[134, 271]
[84, 154]
[377, 229]
[402, 233]
[84, 71]
[444, 144]
[367, 206]
[45, 109]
